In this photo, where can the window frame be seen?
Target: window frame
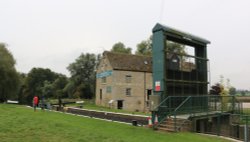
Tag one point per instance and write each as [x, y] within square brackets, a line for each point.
[108, 89]
[128, 92]
[128, 78]
[104, 80]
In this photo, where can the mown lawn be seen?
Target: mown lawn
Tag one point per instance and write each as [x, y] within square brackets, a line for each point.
[21, 124]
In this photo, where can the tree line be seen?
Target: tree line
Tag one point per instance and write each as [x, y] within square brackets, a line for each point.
[46, 83]
[81, 83]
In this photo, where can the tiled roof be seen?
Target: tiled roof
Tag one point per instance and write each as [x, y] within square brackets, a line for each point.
[128, 62]
[138, 63]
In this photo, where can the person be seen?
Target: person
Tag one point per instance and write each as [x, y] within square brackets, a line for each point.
[35, 102]
[59, 103]
[43, 103]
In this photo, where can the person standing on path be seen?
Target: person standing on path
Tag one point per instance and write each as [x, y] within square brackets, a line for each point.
[43, 103]
[35, 102]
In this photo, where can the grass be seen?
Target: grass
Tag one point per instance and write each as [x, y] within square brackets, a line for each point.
[246, 111]
[21, 124]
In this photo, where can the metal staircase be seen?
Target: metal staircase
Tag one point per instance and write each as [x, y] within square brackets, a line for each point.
[175, 125]
[170, 110]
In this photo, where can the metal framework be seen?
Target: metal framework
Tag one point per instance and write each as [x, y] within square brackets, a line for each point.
[197, 105]
[178, 75]
[175, 73]
[180, 84]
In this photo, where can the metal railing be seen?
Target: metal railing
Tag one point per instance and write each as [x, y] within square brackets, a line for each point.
[195, 105]
[166, 108]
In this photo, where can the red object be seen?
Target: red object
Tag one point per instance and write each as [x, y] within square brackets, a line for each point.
[149, 122]
[35, 100]
[157, 88]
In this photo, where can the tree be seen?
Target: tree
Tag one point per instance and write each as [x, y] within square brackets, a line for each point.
[21, 90]
[36, 80]
[173, 47]
[216, 89]
[59, 84]
[9, 78]
[243, 93]
[232, 91]
[69, 89]
[145, 47]
[82, 81]
[121, 48]
[48, 90]
[43, 83]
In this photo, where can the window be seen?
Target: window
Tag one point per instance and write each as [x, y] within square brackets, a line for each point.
[108, 89]
[128, 91]
[128, 78]
[104, 80]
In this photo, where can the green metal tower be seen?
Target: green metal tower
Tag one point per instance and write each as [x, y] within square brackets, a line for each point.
[176, 73]
[180, 84]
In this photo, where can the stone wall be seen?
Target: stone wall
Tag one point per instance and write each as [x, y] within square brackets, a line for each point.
[141, 120]
[224, 125]
[140, 83]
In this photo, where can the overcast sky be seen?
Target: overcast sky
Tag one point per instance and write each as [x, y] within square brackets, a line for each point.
[53, 33]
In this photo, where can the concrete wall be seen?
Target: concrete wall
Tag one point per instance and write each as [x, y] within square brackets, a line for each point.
[225, 126]
[141, 120]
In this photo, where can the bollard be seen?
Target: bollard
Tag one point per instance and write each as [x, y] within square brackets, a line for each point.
[134, 122]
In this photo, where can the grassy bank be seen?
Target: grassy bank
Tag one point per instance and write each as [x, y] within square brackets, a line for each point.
[21, 124]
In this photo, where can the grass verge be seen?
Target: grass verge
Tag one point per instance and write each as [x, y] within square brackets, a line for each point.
[21, 124]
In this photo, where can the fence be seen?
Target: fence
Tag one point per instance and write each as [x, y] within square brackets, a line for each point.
[195, 105]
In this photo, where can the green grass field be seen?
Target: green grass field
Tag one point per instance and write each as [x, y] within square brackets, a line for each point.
[21, 124]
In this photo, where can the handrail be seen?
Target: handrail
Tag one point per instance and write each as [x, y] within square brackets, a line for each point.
[163, 117]
[162, 120]
[177, 109]
[175, 105]
[182, 103]
[162, 102]
[239, 105]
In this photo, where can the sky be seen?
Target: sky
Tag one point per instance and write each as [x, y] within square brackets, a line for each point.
[53, 33]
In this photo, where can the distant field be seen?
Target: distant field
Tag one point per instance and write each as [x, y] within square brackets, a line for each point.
[243, 98]
[21, 124]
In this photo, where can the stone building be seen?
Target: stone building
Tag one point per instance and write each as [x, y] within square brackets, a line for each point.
[124, 81]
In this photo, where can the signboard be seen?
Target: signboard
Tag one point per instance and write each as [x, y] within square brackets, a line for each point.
[104, 74]
[157, 86]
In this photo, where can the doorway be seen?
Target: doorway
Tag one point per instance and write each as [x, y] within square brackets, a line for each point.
[149, 92]
[100, 94]
[119, 104]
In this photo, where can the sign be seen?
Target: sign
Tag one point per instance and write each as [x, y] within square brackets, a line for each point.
[104, 74]
[157, 86]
